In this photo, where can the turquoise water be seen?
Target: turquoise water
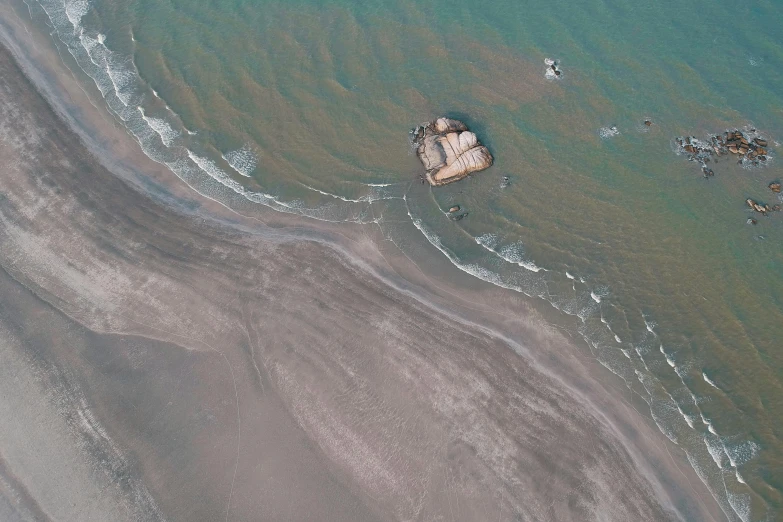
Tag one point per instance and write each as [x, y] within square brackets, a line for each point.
[306, 108]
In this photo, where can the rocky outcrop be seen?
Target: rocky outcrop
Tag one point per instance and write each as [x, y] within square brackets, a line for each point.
[758, 207]
[748, 147]
[449, 151]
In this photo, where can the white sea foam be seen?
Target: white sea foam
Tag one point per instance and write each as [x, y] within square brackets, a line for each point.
[513, 253]
[608, 132]
[75, 11]
[617, 338]
[596, 297]
[740, 504]
[669, 358]
[740, 453]
[243, 160]
[166, 132]
[649, 326]
[709, 381]
[335, 196]
[569, 276]
[716, 451]
[685, 416]
[707, 422]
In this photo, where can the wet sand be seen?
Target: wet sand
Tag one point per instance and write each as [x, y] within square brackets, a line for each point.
[162, 358]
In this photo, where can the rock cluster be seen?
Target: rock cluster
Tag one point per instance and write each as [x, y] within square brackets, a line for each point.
[762, 208]
[746, 148]
[449, 151]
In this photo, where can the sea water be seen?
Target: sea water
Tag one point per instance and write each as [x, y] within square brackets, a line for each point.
[305, 107]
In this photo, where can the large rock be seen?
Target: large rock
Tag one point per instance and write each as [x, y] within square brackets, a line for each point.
[449, 151]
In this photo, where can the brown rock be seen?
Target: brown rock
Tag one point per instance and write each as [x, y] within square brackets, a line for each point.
[648, 123]
[763, 209]
[733, 149]
[760, 142]
[775, 187]
[453, 209]
[449, 152]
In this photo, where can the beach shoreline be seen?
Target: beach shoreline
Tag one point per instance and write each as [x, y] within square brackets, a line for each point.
[488, 313]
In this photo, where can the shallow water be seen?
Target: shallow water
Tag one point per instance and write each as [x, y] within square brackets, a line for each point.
[307, 108]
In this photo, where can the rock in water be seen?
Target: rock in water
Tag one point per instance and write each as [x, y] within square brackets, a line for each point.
[453, 209]
[775, 187]
[449, 151]
[763, 209]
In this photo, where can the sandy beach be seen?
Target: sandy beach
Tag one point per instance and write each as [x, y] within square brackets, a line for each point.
[165, 358]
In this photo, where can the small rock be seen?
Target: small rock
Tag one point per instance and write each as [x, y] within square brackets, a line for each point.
[648, 123]
[760, 142]
[453, 209]
[751, 221]
[707, 172]
[461, 216]
[775, 187]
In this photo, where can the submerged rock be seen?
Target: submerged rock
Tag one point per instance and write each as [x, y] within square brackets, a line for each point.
[449, 151]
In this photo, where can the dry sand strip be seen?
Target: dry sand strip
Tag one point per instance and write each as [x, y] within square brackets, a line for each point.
[158, 366]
